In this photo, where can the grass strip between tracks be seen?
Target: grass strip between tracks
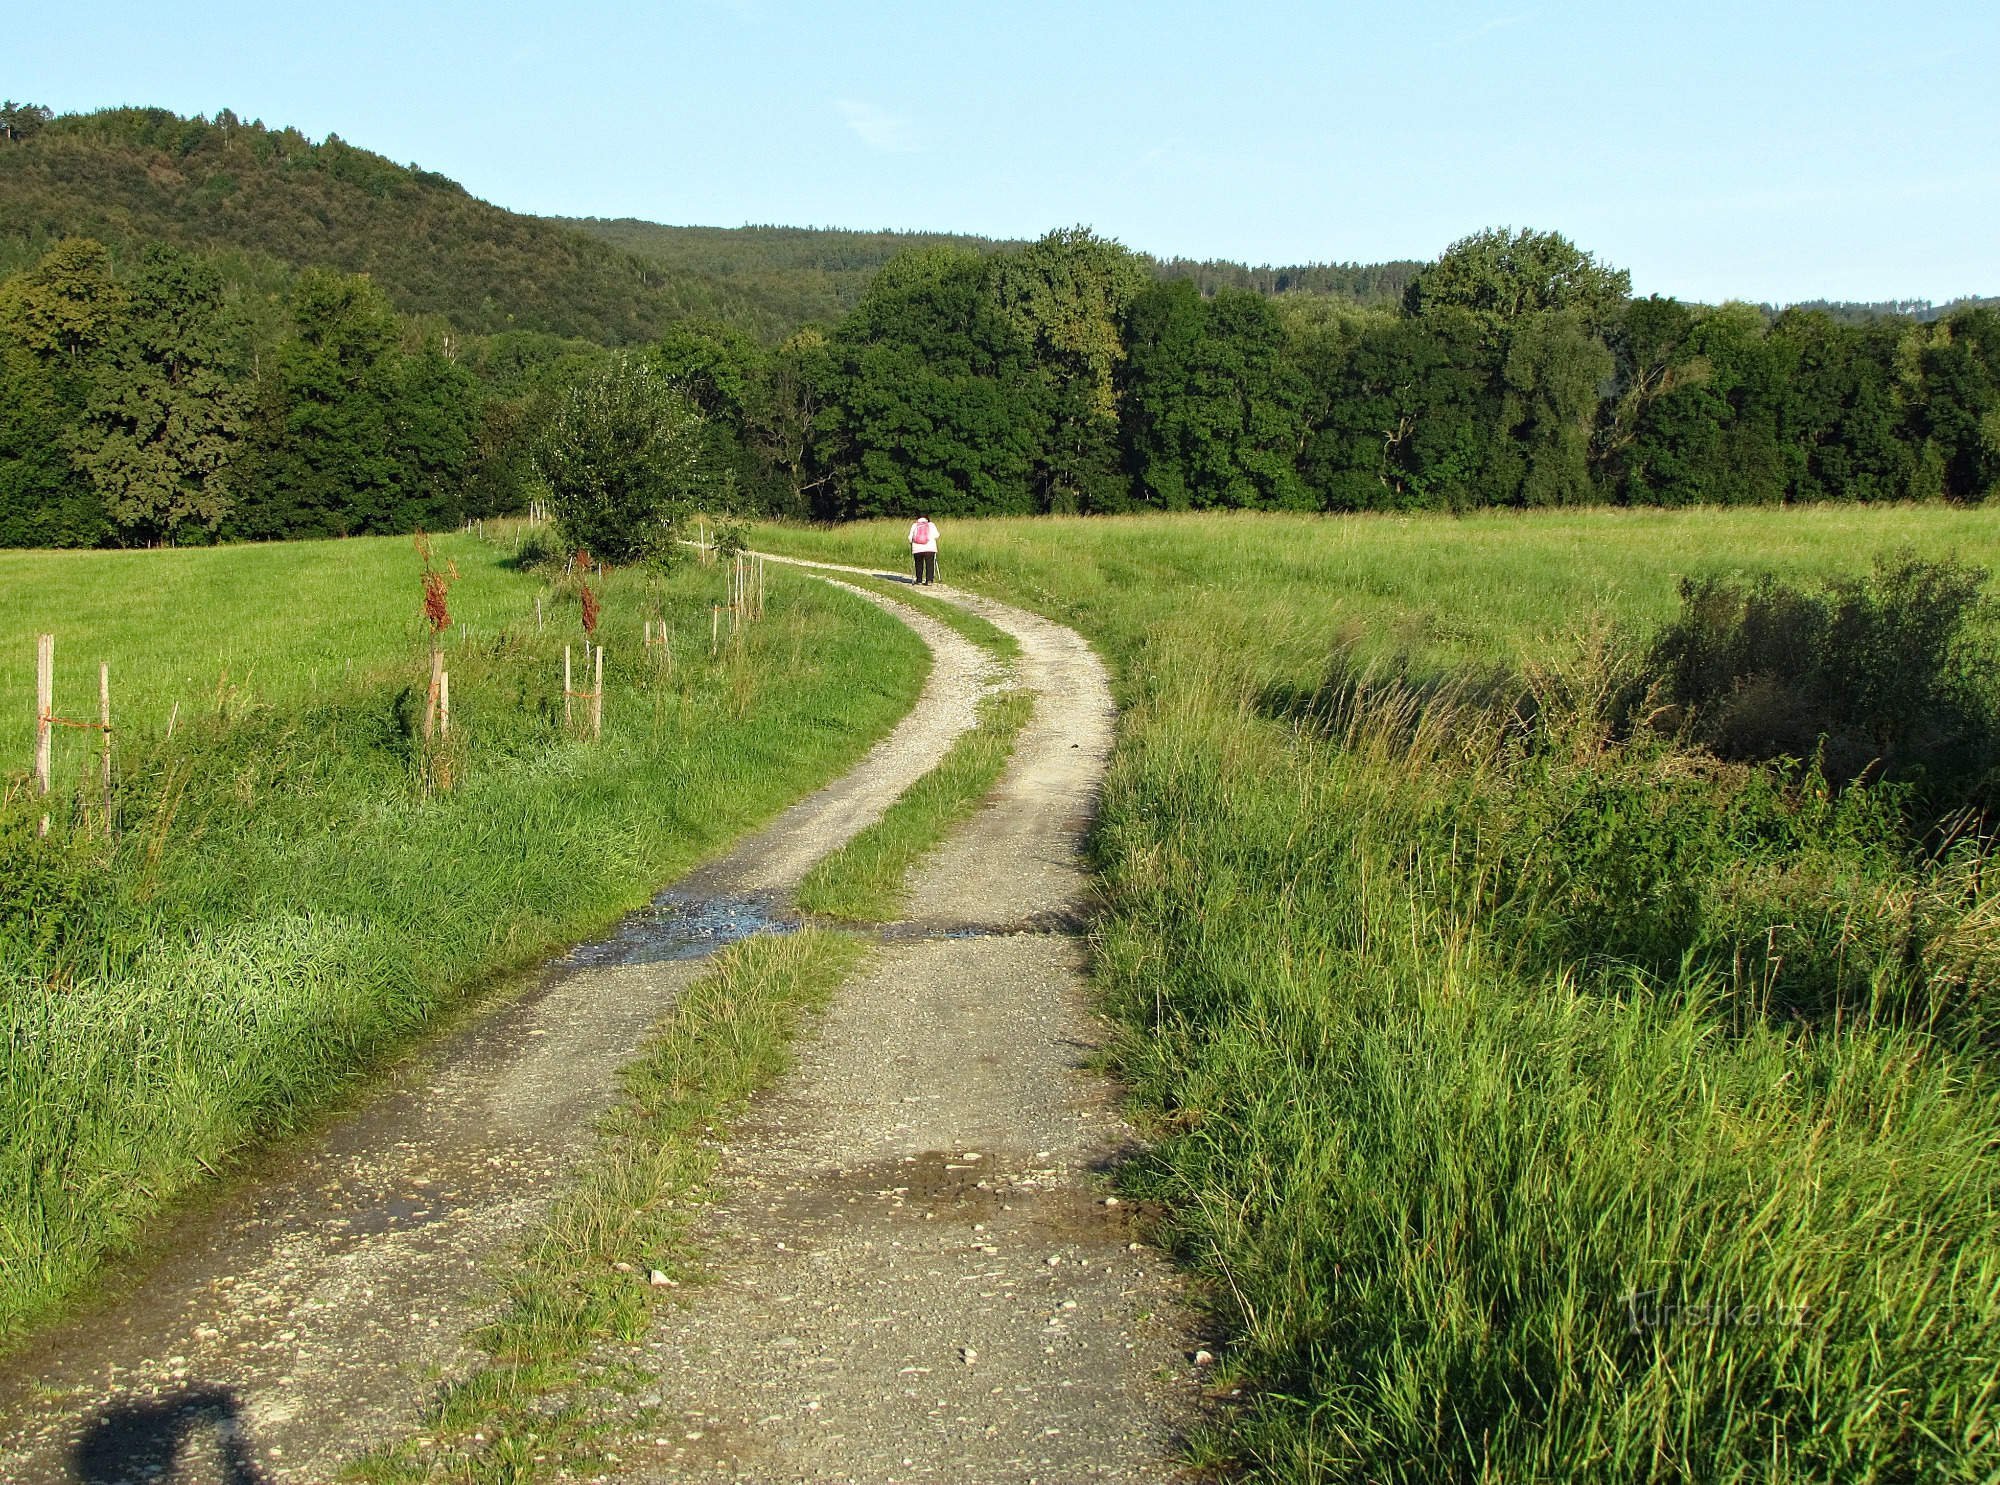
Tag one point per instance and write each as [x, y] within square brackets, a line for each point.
[585, 1275]
[864, 882]
[982, 632]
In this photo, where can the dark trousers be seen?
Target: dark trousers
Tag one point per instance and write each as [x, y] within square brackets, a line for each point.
[926, 566]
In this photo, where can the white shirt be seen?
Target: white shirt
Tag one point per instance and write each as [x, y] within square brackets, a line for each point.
[923, 546]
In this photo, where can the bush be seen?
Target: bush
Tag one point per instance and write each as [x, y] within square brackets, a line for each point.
[624, 458]
[1877, 677]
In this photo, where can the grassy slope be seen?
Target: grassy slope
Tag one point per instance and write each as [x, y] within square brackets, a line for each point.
[285, 903]
[279, 620]
[1479, 1194]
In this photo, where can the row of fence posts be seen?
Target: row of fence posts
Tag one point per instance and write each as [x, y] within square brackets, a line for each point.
[46, 722]
[746, 603]
[746, 600]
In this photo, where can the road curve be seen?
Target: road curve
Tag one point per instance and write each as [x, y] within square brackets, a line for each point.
[304, 1313]
[923, 1274]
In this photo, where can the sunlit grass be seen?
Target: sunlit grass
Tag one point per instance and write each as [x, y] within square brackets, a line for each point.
[286, 900]
[1475, 1194]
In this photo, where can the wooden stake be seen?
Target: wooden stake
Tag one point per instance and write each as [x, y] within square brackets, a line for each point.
[714, 630]
[538, 613]
[45, 714]
[431, 701]
[597, 698]
[444, 703]
[566, 687]
[760, 587]
[104, 721]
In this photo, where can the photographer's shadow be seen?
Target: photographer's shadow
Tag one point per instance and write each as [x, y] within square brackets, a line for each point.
[194, 1435]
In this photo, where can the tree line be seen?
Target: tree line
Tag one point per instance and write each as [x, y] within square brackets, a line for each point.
[143, 402]
[1516, 370]
[143, 399]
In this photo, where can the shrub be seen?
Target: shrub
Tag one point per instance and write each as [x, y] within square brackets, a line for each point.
[623, 457]
[1877, 677]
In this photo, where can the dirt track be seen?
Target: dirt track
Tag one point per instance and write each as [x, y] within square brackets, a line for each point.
[304, 1315]
[926, 1280]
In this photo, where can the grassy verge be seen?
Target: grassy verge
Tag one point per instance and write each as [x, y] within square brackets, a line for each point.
[287, 901]
[863, 882]
[585, 1276]
[1452, 1022]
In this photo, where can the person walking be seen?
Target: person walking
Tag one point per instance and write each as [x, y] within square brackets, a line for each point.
[923, 549]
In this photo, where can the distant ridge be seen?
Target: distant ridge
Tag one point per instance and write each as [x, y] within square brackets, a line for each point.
[128, 174]
[819, 273]
[269, 201]
[1851, 312]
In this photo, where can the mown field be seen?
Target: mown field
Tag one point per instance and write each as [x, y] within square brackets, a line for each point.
[1536, 1094]
[287, 897]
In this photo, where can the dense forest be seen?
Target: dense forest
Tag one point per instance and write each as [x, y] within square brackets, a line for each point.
[130, 176]
[818, 274]
[183, 358]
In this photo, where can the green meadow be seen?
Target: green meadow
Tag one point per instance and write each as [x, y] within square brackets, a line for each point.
[289, 896]
[1533, 1095]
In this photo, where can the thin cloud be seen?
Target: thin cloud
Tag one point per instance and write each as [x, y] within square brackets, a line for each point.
[1487, 28]
[877, 128]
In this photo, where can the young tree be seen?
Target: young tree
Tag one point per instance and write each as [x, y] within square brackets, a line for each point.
[624, 458]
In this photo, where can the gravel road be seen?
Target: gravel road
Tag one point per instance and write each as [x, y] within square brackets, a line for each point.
[925, 1274]
[307, 1309]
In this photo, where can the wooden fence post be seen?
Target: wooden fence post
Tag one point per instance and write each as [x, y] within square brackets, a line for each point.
[597, 698]
[104, 721]
[444, 703]
[45, 714]
[431, 700]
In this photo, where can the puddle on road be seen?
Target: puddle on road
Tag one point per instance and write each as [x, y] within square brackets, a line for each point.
[682, 925]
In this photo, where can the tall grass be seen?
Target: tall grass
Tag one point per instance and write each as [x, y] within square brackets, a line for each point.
[285, 901]
[1537, 1104]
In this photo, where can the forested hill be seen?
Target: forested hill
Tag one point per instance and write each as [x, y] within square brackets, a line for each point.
[818, 274]
[1924, 311]
[800, 275]
[130, 175]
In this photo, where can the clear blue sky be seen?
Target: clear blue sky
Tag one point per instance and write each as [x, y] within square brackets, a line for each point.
[1776, 152]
